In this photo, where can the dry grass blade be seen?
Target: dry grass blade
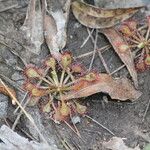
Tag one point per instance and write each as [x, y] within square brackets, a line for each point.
[99, 124]
[94, 51]
[99, 53]
[24, 111]
[85, 41]
[75, 131]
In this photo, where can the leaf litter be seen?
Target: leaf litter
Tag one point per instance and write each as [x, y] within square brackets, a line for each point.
[55, 23]
[81, 88]
[95, 17]
[33, 27]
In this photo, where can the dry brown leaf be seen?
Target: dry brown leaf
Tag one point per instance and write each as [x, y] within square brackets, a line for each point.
[120, 3]
[100, 12]
[123, 51]
[116, 143]
[120, 89]
[55, 22]
[5, 92]
[33, 27]
[95, 17]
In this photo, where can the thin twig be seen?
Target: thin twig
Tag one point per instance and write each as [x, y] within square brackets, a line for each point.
[117, 69]
[24, 111]
[10, 7]
[26, 94]
[64, 142]
[14, 84]
[77, 133]
[25, 104]
[104, 63]
[103, 49]
[94, 51]
[100, 124]
[5, 120]
[88, 37]
[101, 57]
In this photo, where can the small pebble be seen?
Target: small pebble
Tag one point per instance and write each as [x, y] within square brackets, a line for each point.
[76, 119]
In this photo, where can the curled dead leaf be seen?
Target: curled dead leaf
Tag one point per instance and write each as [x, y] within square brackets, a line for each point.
[100, 12]
[120, 89]
[33, 27]
[55, 23]
[95, 17]
[5, 92]
[123, 51]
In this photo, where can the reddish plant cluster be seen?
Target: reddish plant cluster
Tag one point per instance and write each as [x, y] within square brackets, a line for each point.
[138, 39]
[63, 76]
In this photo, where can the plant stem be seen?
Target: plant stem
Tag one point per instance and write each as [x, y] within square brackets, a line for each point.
[147, 34]
[70, 74]
[45, 80]
[55, 77]
[62, 77]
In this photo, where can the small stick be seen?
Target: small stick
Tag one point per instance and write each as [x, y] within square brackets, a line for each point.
[94, 51]
[78, 134]
[104, 63]
[5, 120]
[26, 94]
[118, 69]
[103, 49]
[101, 57]
[122, 66]
[85, 41]
[100, 124]
[64, 142]
[14, 84]
[24, 111]
[25, 104]
[10, 7]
